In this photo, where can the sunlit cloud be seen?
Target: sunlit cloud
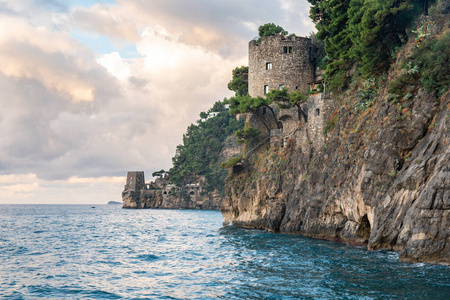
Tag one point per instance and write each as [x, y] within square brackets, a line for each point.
[39, 54]
[79, 109]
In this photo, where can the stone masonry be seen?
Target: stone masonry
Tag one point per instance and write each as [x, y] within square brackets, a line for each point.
[161, 194]
[279, 61]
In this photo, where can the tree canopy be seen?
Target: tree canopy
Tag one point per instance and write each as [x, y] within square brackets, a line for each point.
[159, 174]
[270, 29]
[248, 104]
[237, 83]
[361, 32]
[199, 152]
[283, 99]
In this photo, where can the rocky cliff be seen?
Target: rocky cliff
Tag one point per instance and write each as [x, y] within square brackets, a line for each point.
[380, 177]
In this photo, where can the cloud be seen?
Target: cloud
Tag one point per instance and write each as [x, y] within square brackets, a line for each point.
[74, 121]
[29, 189]
[221, 27]
[105, 19]
[39, 54]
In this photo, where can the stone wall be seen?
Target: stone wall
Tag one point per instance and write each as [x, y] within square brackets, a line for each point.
[293, 70]
[320, 108]
[135, 180]
[161, 194]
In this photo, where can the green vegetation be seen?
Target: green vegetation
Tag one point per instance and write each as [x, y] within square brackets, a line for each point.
[366, 95]
[331, 124]
[237, 83]
[427, 64]
[431, 60]
[159, 174]
[199, 153]
[247, 104]
[246, 133]
[231, 162]
[283, 99]
[270, 29]
[362, 33]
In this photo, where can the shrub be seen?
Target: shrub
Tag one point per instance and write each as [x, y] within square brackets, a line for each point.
[231, 162]
[331, 124]
[432, 59]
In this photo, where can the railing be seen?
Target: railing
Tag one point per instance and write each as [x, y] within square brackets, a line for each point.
[256, 147]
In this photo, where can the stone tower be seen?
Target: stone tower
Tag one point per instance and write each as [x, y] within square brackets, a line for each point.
[135, 181]
[279, 61]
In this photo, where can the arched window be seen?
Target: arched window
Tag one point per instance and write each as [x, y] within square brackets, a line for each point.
[290, 49]
[285, 50]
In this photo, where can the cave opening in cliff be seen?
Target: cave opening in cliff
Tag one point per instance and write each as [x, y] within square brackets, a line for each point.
[364, 228]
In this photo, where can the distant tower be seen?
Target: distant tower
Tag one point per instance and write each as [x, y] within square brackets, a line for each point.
[135, 180]
[278, 61]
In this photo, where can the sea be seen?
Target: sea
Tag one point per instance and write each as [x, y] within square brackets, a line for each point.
[106, 252]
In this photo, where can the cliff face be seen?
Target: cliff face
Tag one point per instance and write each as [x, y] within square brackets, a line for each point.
[375, 181]
[380, 177]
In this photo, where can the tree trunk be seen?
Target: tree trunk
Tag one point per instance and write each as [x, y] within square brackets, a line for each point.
[262, 121]
[302, 113]
[274, 117]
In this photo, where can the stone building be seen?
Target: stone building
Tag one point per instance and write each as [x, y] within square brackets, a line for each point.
[135, 180]
[162, 194]
[320, 108]
[279, 61]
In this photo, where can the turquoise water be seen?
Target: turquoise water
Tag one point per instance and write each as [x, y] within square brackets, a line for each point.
[79, 252]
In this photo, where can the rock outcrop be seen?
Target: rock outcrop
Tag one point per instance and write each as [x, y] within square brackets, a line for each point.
[378, 180]
[379, 177]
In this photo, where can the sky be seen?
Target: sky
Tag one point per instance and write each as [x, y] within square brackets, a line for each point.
[93, 89]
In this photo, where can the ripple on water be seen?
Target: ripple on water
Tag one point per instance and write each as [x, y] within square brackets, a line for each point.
[147, 257]
[75, 252]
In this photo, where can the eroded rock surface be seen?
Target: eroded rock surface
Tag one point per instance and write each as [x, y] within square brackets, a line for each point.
[381, 178]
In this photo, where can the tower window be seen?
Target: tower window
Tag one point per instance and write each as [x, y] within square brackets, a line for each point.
[290, 49]
[266, 89]
[285, 50]
[281, 86]
[318, 111]
[269, 66]
[264, 111]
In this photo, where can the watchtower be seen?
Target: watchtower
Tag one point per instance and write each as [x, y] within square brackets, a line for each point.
[278, 61]
[135, 180]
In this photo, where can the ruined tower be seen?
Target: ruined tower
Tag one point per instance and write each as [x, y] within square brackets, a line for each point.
[135, 181]
[279, 61]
